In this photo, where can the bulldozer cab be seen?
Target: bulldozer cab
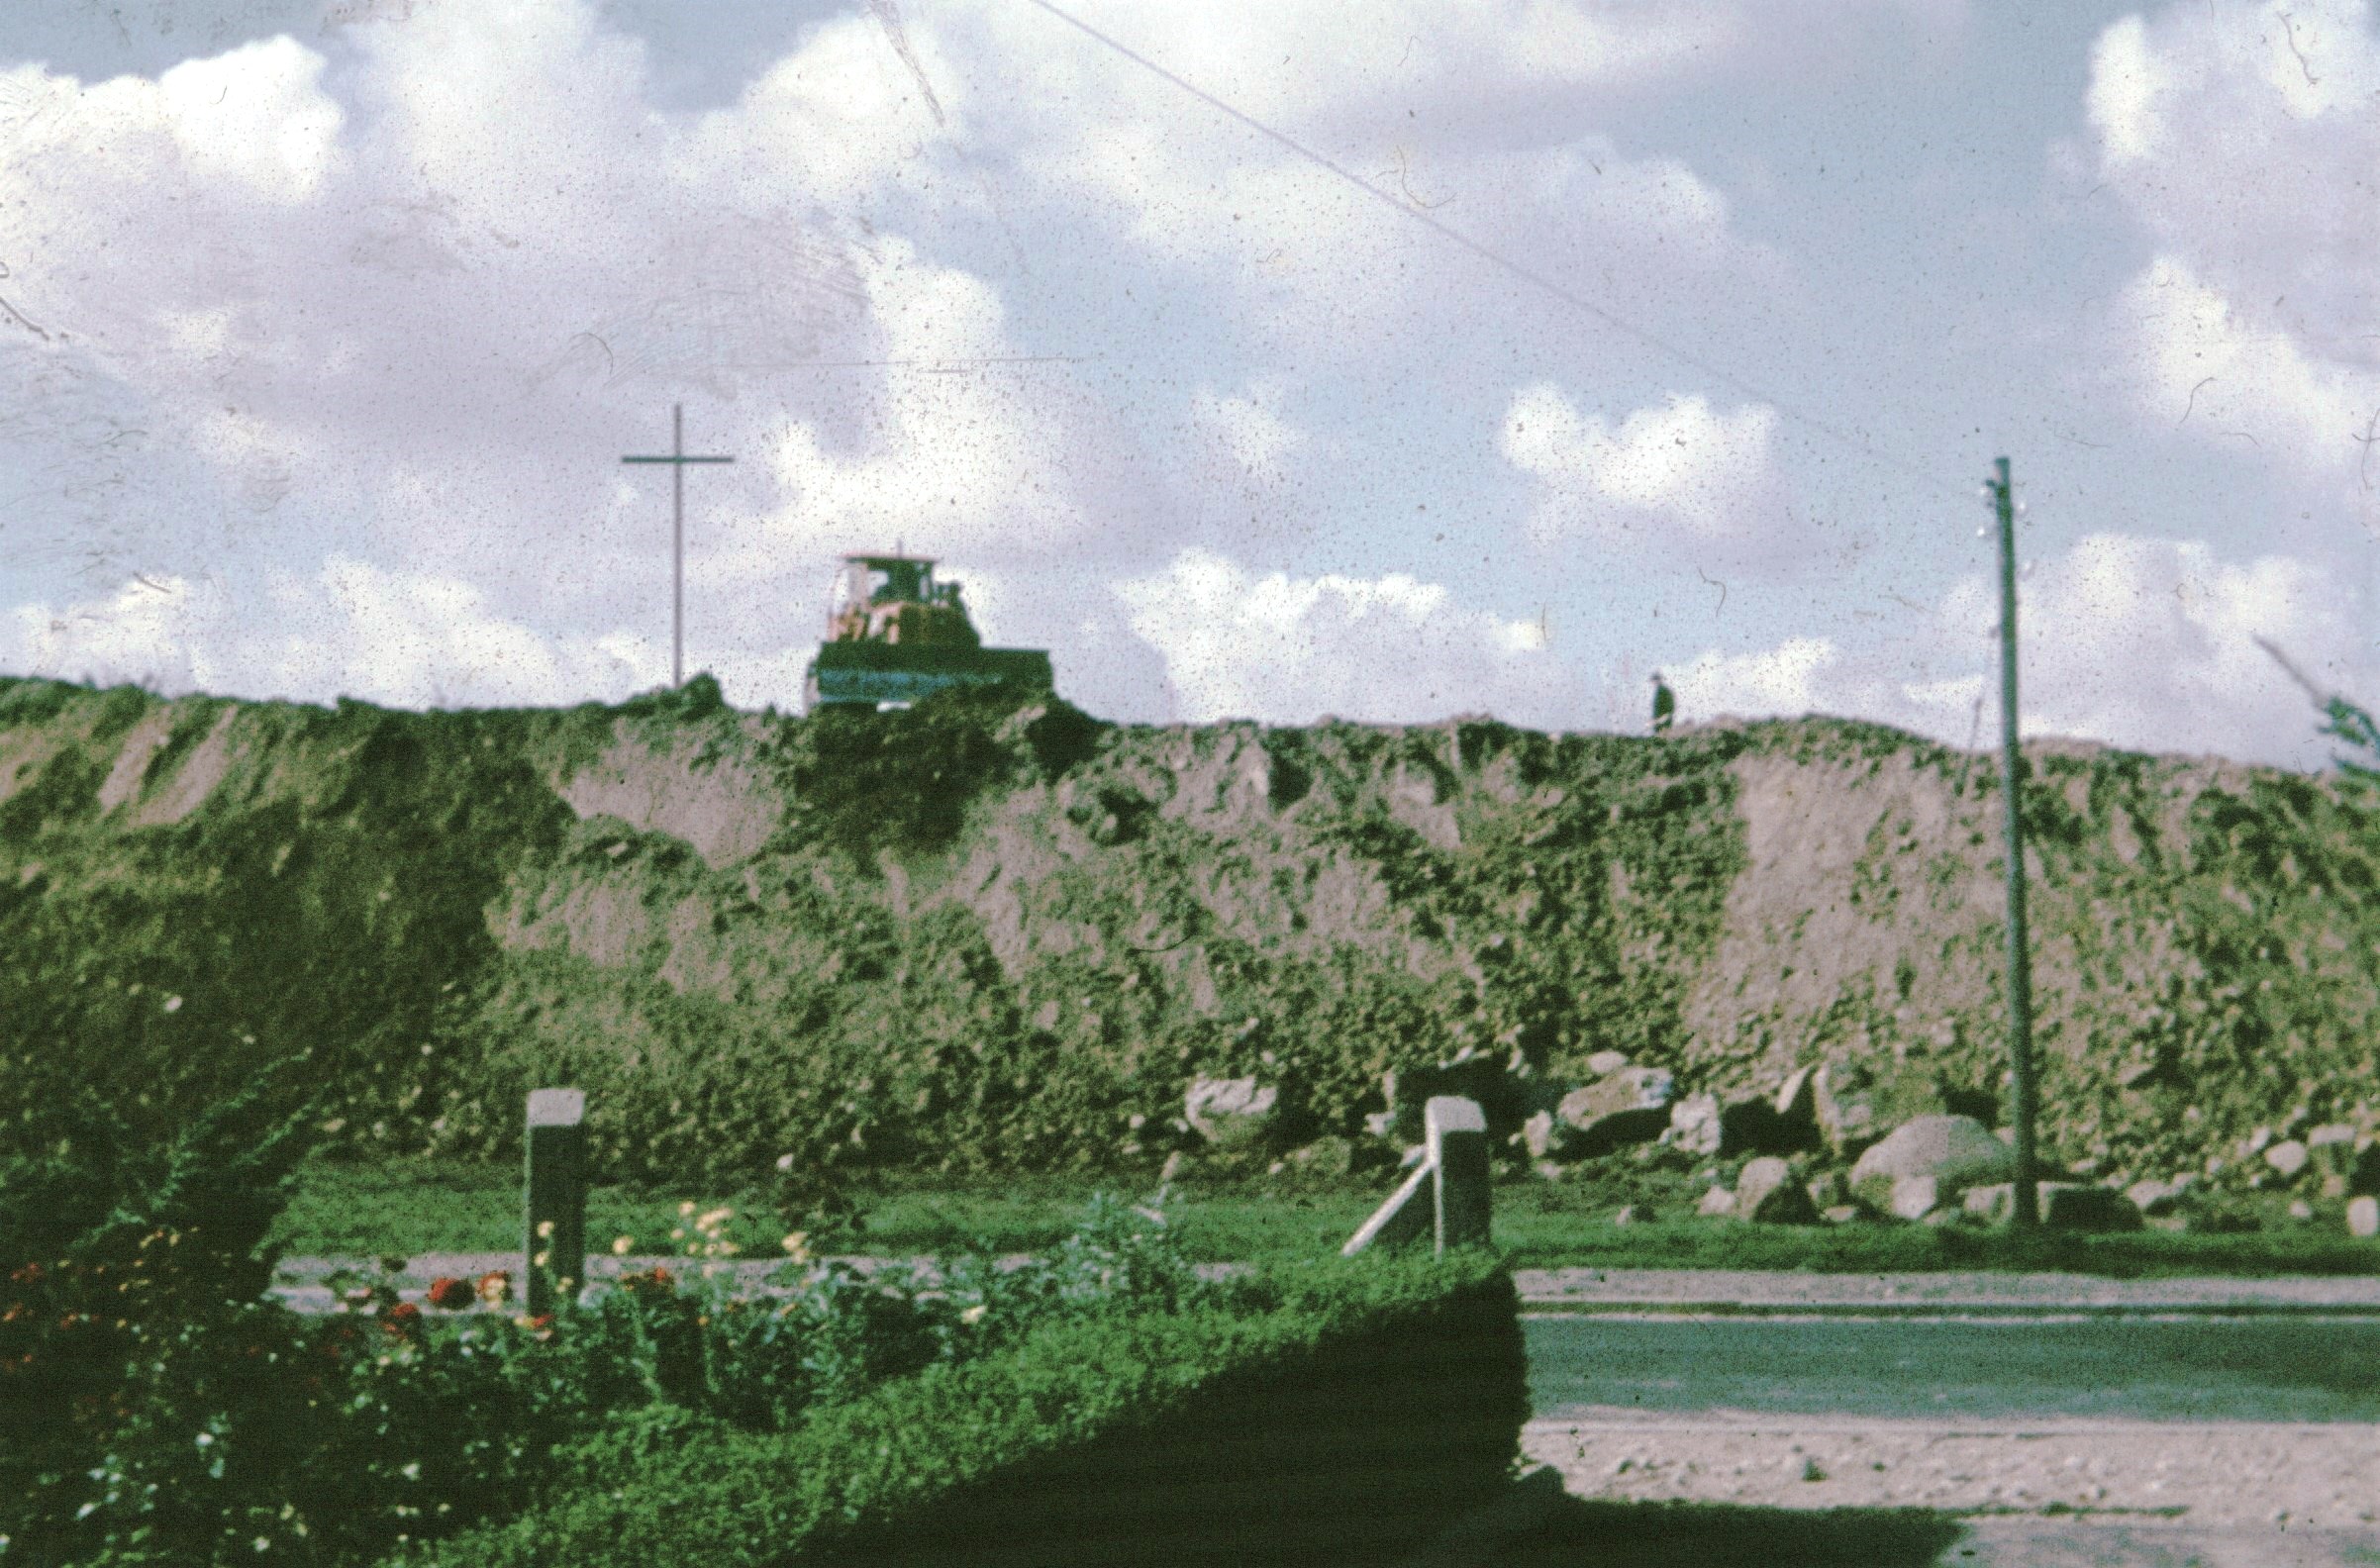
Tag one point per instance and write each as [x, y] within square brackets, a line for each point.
[892, 580]
[895, 599]
[894, 634]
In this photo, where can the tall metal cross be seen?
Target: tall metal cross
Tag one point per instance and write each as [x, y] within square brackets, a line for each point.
[677, 460]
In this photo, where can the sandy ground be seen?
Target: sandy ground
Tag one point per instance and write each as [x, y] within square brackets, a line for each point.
[2211, 1474]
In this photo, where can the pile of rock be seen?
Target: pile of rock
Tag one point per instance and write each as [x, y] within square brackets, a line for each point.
[1835, 1143]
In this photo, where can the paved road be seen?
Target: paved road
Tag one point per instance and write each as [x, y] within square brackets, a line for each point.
[2147, 1440]
[1754, 1293]
[2197, 1368]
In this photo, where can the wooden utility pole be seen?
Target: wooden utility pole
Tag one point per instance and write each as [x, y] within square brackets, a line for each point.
[2022, 1095]
[677, 460]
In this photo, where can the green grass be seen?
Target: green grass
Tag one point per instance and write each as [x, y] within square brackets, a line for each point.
[406, 1208]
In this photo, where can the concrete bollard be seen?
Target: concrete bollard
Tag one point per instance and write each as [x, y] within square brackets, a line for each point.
[1456, 1130]
[1453, 1173]
[554, 1197]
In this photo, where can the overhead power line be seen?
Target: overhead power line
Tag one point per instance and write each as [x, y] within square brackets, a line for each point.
[1527, 274]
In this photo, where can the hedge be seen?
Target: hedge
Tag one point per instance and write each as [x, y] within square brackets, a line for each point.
[1338, 1412]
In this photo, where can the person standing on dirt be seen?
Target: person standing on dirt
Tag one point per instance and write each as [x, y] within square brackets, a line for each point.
[1664, 705]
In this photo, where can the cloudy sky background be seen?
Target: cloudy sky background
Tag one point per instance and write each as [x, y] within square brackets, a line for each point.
[322, 327]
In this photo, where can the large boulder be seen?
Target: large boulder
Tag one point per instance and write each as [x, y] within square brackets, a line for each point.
[1232, 1113]
[2152, 1197]
[2288, 1158]
[1913, 1197]
[2079, 1206]
[1545, 1136]
[2063, 1205]
[1844, 1101]
[1855, 1103]
[1766, 1191]
[1630, 1106]
[1705, 1123]
[1696, 1124]
[1957, 1151]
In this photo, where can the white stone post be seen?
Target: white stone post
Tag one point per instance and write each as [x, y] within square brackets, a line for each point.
[1456, 1130]
[1454, 1172]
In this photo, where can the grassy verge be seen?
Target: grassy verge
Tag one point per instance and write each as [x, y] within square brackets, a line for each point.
[404, 1208]
[413, 1206]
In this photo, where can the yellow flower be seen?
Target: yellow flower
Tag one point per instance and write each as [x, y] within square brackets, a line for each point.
[621, 1245]
[797, 1246]
[974, 1314]
[686, 1208]
[544, 1228]
[713, 1219]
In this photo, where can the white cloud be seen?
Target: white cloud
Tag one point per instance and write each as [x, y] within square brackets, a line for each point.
[951, 461]
[2204, 358]
[416, 325]
[2145, 643]
[351, 630]
[250, 125]
[1681, 481]
[1787, 681]
[2241, 137]
[1286, 649]
[1251, 430]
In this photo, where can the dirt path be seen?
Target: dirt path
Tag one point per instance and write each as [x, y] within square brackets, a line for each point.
[2212, 1474]
[2108, 1422]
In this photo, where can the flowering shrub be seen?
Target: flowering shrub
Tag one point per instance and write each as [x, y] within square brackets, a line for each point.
[449, 1294]
[179, 1423]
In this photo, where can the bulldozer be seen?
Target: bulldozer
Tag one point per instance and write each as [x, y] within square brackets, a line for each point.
[895, 634]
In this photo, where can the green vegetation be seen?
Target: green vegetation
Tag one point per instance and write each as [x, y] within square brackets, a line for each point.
[409, 1207]
[977, 937]
[1341, 1408]
[158, 1409]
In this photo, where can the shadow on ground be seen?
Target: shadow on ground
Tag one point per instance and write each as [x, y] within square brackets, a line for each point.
[1578, 1531]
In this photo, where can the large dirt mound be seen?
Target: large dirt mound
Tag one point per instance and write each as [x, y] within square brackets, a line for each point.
[974, 934]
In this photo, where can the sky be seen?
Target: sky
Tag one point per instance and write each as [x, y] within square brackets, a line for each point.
[1260, 358]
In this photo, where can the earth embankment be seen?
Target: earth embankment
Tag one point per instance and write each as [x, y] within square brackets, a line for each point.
[972, 934]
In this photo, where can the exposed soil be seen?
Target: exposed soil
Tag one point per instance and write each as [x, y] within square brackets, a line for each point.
[2324, 1477]
[977, 937]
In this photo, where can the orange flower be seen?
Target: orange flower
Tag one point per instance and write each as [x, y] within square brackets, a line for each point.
[656, 1281]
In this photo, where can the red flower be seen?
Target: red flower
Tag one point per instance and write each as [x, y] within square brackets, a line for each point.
[496, 1287]
[402, 1319]
[449, 1294]
[540, 1322]
[26, 1274]
[656, 1281]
